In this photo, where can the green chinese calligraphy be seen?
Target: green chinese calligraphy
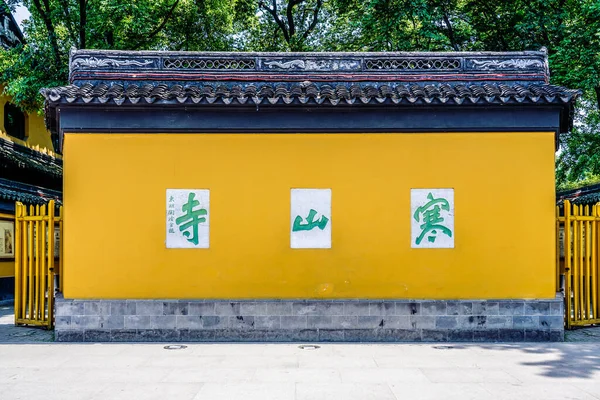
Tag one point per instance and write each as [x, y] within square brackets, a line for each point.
[431, 220]
[191, 219]
[311, 223]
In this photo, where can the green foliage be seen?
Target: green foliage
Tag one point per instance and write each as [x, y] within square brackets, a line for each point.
[569, 29]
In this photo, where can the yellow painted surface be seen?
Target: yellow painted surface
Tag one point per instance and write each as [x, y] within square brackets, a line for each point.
[35, 130]
[115, 215]
[7, 268]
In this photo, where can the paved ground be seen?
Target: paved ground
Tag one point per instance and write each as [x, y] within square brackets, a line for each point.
[32, 368]
[9, 333]
[285, 372]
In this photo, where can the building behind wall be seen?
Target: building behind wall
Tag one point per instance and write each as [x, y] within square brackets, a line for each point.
[335, 196]
[30, 170]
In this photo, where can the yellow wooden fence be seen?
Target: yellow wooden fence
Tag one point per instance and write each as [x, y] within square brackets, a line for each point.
[36, 264]
[578, 269]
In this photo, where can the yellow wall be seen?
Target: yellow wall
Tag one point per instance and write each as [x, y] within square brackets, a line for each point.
[115, 215]
[35, 129]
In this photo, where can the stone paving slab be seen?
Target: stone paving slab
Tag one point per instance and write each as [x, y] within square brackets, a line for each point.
[9, 333]
[285, 371]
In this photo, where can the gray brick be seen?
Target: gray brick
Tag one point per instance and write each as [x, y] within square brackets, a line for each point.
[317, 308]
[175, 308]
[69, 308]
[382, 308]
[406, 335]
[472, 322]
[537, 308]
[331, 335]
[344, 322]
[215, 322]
[459, 335]
[356, 308]
[253, 308]
[267, 322]
[488, 335]
[397, 322]
[525, 321]
[148, 307]
[511, 307]
[371, 322]
[226, 309]
[499, 322]
[540, 335]
[320, 322]
[69, 336]
[446, 322]
[85, 322]
[434, 335]
[551, 322]
[422, 322]
[459, 308]
[122, 307]
[123, 335]
[163, 322]
[158, 335]
[485, 308]
[137, 322]
[408, 308]
[433, 308]
[279, 308]
[198, 308]
[196, 335]
[63, 323]
[96, 307]
[96, 335]
[112, 322]
[557, 308]
[294, 322]
[511, 335]
[188, 321]
[241, 322]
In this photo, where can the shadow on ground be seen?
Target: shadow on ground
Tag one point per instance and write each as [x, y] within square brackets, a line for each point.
[9, 333]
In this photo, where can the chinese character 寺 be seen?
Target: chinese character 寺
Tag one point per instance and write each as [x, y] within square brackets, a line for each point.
[310, 222]
[191, 219]
[432, 221]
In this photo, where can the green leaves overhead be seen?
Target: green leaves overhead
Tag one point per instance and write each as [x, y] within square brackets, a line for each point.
[569, 29]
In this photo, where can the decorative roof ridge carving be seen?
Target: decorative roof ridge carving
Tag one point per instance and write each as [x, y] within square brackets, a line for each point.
[96, 64]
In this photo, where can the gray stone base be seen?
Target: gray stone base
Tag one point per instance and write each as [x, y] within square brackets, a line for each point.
[309, 321]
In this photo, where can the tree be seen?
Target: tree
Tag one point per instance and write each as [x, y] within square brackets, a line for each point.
[56, 26]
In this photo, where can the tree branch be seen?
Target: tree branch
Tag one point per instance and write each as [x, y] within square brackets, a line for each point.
[290, 15]
[315, 20]
[82, 22]
[278, 21]
[159, 28]
[450, 32]
[69, 22]
[45, 14]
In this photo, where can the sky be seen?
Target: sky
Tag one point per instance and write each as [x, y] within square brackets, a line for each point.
[20, 14]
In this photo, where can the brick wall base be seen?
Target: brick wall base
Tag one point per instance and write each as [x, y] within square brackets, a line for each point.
[309, 321]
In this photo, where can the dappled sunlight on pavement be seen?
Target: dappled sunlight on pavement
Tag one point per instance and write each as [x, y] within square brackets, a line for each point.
[285, 371]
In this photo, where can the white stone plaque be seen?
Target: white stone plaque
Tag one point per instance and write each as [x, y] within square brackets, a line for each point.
[310, 219]
[432, 218]
[188, 218]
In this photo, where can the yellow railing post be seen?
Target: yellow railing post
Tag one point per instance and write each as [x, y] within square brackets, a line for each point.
[568, 266]
[60, 249]
[51, 264]
[18, 246]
